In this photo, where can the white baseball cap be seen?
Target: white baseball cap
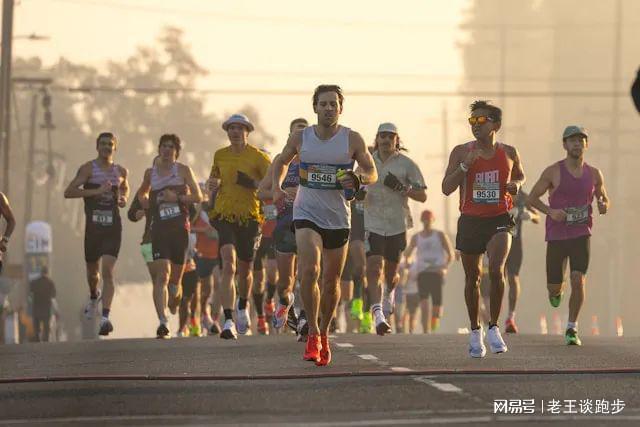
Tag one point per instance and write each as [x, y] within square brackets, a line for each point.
[388, 127]
[238, 119]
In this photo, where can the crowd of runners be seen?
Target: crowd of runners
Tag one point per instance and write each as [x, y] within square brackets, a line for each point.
[292, 242]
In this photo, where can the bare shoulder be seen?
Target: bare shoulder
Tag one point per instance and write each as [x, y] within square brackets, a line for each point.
[123, 171]
[596, 173]
[459, 150]
[3, 199]
[511, 151]
[355, 139]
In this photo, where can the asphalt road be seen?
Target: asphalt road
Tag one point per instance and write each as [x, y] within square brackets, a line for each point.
[392, 380]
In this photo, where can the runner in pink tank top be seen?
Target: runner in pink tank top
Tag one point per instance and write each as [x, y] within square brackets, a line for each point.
[571, 184]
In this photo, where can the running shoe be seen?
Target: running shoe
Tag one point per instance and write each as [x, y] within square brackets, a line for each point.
[206, 322]
[269, 309]
[571, 337]
[435, 324]
[182, 333]
[356, 309]
[91, 308]
[228, 332]
[303, 329]
[105, 327]
[292, 320]
[163, 332]
[365, 323]
[388, 303]
[510, 326]
[496, 343]
[312, 349]
[215, 328]
[262, 326]
[325, 352]
[382, 327]
[195, 330]
[282, 313]
[175, 296]
[476, 344]
[243, 321]
[555, 300]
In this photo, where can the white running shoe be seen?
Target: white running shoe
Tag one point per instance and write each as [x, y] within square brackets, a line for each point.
[388, 303]
[496, 343]
[228, 331]
[206, 321]
[91, 309]
[243, 323]
[476, 344]
[282, 313]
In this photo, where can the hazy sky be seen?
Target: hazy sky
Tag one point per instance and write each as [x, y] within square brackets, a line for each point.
[295, 45]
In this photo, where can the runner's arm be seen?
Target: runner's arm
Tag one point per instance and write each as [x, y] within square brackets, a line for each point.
[454, 176]
[517, 171]
[417, 189]
[284, 158]
[538, 190]
[195, 195]
[124, 185]
[264, 188]
[601, 193]
[448, 248]
[7, 213]
[74, 191]
[143, 192]
[410, 248]
[361, 154]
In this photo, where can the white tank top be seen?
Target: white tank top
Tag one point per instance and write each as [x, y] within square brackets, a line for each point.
[429, 251]
[320, 199]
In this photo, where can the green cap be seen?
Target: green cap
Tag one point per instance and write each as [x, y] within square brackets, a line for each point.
[574, 130]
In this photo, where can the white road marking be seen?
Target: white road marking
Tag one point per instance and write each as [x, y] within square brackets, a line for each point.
[344, 344]
[446, 387]
[400, 369]
[367, 357]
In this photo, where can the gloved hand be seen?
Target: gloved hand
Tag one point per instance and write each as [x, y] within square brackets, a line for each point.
[394, 183]
[245, 180]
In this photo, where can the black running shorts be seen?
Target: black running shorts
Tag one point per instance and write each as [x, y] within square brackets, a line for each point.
[430, 285]
[576, 250]
[474, 233]
[243, 237]
[189, 284]
[103, 242]
[331, 238]
[170, 244]
[285, 240]
[389, 247]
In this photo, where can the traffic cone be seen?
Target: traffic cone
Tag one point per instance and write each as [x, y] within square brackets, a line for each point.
[557, 324]
[595, 329]
[619, 329]
[543, 325]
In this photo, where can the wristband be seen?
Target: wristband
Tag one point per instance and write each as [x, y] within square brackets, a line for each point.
[464, 167]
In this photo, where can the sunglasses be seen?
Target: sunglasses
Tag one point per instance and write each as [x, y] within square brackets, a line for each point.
[479, 120]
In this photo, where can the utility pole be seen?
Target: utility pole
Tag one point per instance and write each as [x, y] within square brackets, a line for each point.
[445, 154]
[30, 160]
[5, 88]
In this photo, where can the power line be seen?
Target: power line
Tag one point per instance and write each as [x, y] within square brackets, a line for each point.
[141, 90]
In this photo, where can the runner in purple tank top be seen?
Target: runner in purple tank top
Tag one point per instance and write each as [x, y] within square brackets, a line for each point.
[571, 184]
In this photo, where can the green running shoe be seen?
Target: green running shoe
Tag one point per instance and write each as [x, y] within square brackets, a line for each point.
[571, 337]
[356, 309]
[556, 300]
[365, 323]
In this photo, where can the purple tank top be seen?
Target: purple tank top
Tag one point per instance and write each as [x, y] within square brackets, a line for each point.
[574, 196]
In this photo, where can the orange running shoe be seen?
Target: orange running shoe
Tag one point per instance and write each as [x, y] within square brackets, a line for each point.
[269, 309]
[312, 349]
[262, 326]
[510, 326]
[325, 352]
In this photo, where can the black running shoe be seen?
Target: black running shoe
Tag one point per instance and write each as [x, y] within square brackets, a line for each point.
[383, 328]
[292, 320]
[228, 334]
[105, 327]
[163, 332]
[215, 328]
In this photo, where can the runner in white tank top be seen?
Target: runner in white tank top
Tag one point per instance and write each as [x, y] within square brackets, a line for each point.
[321, 214]
[433, 256]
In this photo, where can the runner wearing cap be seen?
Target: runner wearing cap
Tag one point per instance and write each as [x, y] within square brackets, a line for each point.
[237, 169]
[488, 173]
[387, 218]
[320, 212]
[168, 191]
[434, 255]
[285, 239]
[105, 189]
[520, 214]
[572, 185]
[7, 213]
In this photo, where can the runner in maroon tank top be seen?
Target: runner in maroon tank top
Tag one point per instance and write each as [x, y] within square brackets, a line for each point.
[488, 173]
[571, 184]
